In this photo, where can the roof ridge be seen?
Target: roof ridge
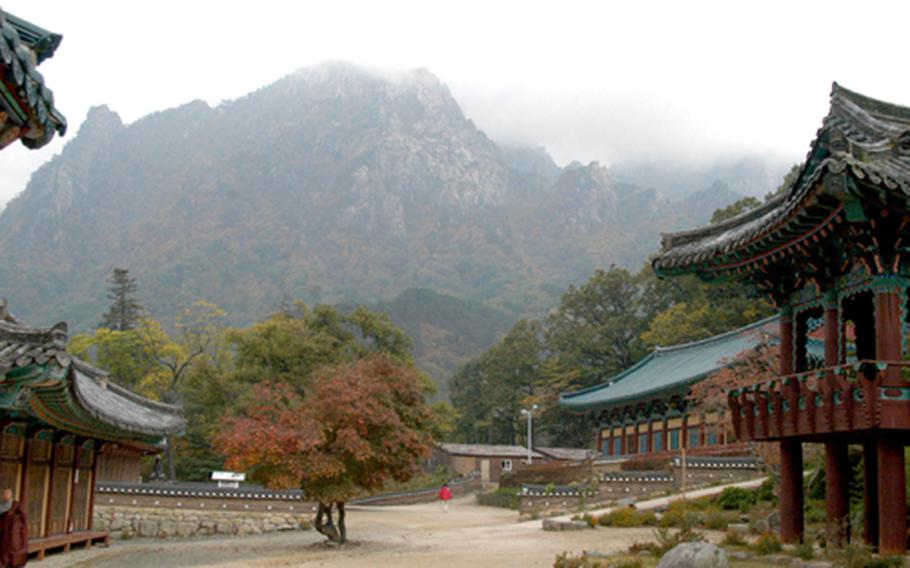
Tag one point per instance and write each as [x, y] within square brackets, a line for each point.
[681, 237]
[714, 338]
[868, 104]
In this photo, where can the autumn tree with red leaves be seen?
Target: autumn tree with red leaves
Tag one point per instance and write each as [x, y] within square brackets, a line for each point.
[752, 366]
[355, 426]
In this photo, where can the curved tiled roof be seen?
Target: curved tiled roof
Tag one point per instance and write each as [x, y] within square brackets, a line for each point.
[41, 378]
[670, 369]
[861, 137]
[26, 103]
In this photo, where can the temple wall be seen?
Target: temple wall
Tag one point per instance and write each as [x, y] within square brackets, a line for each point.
[126, 522]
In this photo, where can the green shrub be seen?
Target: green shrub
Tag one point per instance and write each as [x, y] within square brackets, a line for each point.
[804, 550]
[733, 538]
[625, 517]
[815, 512]
[766, 544]
[505, 497]
[666, 540]
[766, 491]
[736, 499]
[717, 520]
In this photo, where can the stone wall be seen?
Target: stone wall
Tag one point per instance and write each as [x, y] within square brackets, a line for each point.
[617, 486]
[160, 522]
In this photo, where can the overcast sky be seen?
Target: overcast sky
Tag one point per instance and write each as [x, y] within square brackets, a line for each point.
[606, 81]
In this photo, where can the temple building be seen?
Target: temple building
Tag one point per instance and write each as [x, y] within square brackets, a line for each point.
[648, 408]
[833, 248]
[27, 111]
[63, 426]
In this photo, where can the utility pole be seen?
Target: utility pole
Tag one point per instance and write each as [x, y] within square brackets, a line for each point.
[529, 412]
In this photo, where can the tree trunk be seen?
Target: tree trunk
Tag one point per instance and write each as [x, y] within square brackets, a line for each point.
[342, 530]
[171, 461]
[325, 523]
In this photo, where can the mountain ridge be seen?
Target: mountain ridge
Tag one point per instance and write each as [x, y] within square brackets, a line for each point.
[331, 184]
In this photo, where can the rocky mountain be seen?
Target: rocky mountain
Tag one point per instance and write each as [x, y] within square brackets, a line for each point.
[332, 184]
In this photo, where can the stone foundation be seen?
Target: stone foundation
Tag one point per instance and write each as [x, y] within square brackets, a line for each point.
[129, 522]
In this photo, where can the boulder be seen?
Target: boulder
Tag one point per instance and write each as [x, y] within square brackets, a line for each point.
[694, 555]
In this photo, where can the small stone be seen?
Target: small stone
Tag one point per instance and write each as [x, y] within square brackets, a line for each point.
[741, 528]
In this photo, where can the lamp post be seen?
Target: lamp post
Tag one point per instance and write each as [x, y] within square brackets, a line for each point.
[529, 412]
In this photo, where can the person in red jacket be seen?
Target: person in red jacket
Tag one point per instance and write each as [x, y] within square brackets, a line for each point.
[445, 495]
[13, 532]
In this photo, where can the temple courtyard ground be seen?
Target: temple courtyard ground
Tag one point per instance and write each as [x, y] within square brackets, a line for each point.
[385, 537]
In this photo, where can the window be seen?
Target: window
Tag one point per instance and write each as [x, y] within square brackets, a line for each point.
[674, 439]
[693, 437]
[506, 465]
[658, 439]
[712, 438]
[643, 443]
[630, 444]
[617, 446]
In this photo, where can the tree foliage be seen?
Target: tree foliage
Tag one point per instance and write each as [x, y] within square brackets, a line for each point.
[125, 310]
[358, 425]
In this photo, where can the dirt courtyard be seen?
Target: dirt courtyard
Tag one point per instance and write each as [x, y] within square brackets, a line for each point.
[386, 537]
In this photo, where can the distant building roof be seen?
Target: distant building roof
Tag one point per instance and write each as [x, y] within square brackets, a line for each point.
[670, 370]
[488, 450]
[42, 380]
[568, 454]
[27, 111]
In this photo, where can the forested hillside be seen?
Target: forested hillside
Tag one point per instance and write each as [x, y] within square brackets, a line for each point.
[331, 185]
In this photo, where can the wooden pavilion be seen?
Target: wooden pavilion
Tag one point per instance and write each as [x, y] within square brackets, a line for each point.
[830, 249]
[63, 426]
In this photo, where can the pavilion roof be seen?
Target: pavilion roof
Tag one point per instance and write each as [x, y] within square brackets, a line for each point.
[27, 109]
[866, 139]
[669, 371]
[42, 380]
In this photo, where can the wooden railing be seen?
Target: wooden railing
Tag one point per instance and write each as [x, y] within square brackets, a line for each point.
[842, 398]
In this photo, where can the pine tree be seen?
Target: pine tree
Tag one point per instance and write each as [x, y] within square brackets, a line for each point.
[125, 309]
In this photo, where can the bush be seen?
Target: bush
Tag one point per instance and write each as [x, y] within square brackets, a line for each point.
[718, 520]
[766, 492]
[804, 550]
[736, 499]
[733, 538]
[667, 540]
[566, 560]
[766, 544]
[856, 555]
[627, 517]
[647, 463]
[505, 497]
[815, 512]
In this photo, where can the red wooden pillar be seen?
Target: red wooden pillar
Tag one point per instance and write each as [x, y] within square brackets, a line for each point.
[870, 493]
[791, 453]
[837, 461]
[892, 489]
